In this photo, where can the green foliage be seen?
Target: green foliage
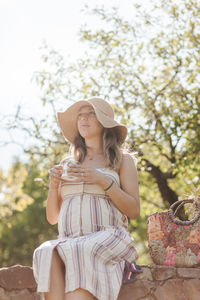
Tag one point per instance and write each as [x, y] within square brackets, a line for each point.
[148, 69]
[22, 231]
[14, 199]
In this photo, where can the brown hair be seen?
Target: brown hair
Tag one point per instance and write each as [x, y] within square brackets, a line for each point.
[112, 148]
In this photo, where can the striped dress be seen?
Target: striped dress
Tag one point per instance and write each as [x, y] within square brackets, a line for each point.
[93, 242]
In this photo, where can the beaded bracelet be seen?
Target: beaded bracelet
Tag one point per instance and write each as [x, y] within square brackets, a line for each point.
[109, 186]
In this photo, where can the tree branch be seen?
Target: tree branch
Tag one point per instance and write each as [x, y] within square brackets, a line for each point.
[168, 195]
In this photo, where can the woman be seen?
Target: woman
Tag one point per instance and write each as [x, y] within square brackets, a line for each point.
[87, 260]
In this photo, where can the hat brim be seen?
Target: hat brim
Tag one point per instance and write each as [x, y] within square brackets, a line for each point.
[68, 121]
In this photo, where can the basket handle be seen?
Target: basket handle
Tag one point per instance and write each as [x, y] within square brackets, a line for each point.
[180, 203]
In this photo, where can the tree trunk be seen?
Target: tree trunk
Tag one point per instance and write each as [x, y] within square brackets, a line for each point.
[168, 195]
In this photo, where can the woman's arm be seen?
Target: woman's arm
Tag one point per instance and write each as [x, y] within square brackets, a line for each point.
[125, 198]
[54, 199]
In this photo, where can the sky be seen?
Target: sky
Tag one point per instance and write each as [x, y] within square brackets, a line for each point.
[24, 25]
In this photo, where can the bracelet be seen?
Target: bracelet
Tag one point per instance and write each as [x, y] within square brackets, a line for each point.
[109, 186]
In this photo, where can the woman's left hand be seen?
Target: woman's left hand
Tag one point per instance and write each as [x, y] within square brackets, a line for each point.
[86, 174]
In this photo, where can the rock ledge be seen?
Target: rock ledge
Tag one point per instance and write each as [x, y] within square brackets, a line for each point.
[154, 283]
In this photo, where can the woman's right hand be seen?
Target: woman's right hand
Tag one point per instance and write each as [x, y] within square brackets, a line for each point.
[55, 176]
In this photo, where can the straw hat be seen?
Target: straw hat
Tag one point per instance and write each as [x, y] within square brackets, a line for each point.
[104, 113]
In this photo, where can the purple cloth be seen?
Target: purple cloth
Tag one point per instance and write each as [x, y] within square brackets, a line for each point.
[130, 271]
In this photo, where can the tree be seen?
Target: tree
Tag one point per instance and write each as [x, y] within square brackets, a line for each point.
[149, 70]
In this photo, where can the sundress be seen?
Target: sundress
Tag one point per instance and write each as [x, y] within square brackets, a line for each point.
[93, 242]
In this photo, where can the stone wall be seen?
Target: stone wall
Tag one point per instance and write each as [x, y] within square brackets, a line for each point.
[154, 283]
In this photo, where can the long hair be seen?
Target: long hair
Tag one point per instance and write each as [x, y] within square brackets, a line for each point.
[112, 148]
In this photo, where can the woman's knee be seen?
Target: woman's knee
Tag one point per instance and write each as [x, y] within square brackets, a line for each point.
[79, 294]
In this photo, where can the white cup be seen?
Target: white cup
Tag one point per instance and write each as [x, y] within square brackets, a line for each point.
[65, 164]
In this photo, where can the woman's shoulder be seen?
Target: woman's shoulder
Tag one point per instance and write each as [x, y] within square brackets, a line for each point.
[128, 160]
[128, 156]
